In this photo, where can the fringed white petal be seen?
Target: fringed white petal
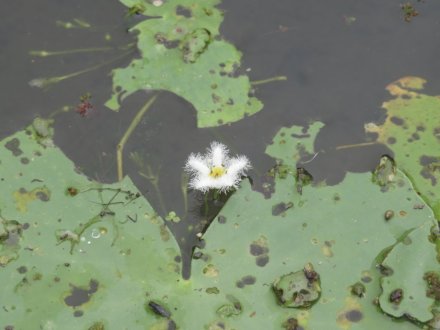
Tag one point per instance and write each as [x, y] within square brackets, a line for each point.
[205, 183]
[228, 183]
[218, 153]
[237, 166]
[196, 164]
[199, 183]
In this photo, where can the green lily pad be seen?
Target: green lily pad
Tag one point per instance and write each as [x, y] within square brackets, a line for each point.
[76, 254]
[182, 52]
[412, 131]
[293, 143]
[339, 229]
[341, 237]
[405, 290]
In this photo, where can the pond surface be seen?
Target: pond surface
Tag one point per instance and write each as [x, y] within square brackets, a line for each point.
[338, 57]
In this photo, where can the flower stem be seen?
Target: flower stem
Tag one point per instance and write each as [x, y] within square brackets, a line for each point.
[184, 187]
[206, 199]
[268, 80]
[216, 194]
[120, 147]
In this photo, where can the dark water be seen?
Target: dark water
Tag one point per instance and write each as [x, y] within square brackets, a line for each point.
[337, 71]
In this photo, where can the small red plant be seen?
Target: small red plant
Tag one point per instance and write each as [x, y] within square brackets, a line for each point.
[84, 107]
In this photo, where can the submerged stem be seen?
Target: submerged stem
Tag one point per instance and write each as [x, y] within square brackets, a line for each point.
[47, 82]
[268, 80]
[45, 53]
[154, 180]
[206, 204]
[356, 145]
[120, 147]
[184, 187]
[65, 108]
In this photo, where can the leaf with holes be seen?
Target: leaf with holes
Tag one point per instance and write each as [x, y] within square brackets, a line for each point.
[182, 52]
[412, 131]
[405, 289]
[75, 253]
[340, 230]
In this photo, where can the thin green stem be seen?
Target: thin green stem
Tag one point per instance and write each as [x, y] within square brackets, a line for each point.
[356, 145]
[47, 82]
[268, 80]
[77, 24]
[45, 53]
[120, 147]
[66, 108]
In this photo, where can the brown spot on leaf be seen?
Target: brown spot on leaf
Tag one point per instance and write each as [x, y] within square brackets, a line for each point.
[396, 296]
[260, 250]
[246, 280]
[72, 191]
[183, 11]
[79, 295]
[397, 121]
[262, 260]
[23, 197]
[280, 208]
[430, 165]
[78, 313]
[14, 146]
[353, 315]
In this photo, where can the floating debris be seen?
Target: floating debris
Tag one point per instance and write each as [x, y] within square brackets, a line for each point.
[389, 214]
[159, 309]
[408, 11]
[358, 289]
[396, 296]
[385, 172]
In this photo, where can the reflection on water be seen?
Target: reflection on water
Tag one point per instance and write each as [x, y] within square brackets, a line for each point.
[338, 57]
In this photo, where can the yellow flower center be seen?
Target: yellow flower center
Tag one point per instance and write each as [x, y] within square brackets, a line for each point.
[217, 171]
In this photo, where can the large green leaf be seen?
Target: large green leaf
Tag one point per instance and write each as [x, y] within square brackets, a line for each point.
[73, 252]
[412, 131]
[340, 230]
[182, 52]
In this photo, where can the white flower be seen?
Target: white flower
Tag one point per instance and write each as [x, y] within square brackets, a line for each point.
[216, 170]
